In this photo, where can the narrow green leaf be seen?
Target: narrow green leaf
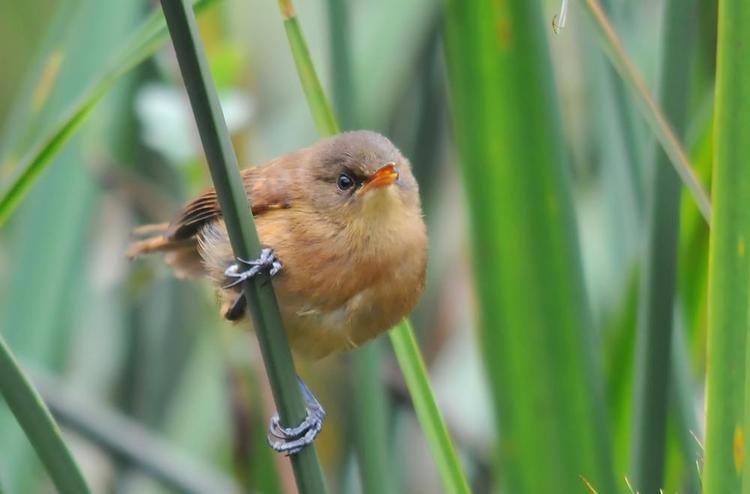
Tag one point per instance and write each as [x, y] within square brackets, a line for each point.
[415, 374]
[371, 404]
[344, 93]
[534, 319]
[321, 111]
[48, 273]
[147, 40]
[125, 439]
[39, 426]
[402, 337]
[371, 421]
[727, 416]
[655, 118]
[225, 175]
[654, 343]
[39, 158]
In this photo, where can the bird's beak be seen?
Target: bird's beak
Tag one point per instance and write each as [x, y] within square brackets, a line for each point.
[385, 175]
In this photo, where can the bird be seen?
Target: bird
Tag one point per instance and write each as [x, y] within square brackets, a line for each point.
[343, 238]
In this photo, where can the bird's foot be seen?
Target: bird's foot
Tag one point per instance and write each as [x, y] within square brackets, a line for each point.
[291, 440]
[266, 262]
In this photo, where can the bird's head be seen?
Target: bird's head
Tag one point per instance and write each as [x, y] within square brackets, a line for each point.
[361, 177]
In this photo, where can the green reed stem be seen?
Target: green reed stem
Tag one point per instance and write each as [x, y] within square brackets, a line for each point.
[40, 428]
[402, 337]
[238, 218]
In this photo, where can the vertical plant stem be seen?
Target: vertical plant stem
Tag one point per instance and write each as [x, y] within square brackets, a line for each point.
[40, 428]
[402, 336]
[371, 399]
[534, 319]
[654, 341]
[613, 47]
[344, 95]
[729, 271]
[322, 113]
[371, 406]
[627, 127]
[222, 163]
[415, 374]
[682, 400]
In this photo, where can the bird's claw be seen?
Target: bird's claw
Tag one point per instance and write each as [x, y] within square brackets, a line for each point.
[291, 440]
[266, 261]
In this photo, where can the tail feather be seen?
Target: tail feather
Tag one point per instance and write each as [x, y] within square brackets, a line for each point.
[152, 229]
[150, 245]
[181, 255]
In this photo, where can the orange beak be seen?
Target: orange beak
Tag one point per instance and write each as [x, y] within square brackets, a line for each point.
[385, 175]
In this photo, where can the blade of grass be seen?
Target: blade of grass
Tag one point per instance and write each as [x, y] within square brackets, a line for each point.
[40, 73]
[125, 439]
[39, 426]
[727, 416]
[615, 51]
[628, 130]
[682, 401]
[534, 319]
[222, 163]
[436, 433]
[654, 341]
[321, 111]
[371, 400]
[402, 337]
[45, 283]
[145, 42]
[341, 62]
[371, 421]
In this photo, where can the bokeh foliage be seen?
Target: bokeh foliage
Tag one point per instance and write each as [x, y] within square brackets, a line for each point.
[536, 169]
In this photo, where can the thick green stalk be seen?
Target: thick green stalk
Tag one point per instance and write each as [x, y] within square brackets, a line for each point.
[534, 319]
[40, 428]
[222, 163]
[402, 337]
[727, 418]
[657, 295]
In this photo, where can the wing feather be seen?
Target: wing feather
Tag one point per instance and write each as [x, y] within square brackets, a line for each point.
[266, 190]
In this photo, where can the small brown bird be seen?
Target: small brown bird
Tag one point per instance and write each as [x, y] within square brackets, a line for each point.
[342, 225]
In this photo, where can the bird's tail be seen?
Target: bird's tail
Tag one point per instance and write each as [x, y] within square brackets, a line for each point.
[181, 255]
[158, 242]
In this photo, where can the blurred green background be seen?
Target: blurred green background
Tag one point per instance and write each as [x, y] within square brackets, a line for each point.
[537, 173]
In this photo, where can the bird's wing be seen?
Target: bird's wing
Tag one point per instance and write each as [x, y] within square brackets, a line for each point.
[265, 189]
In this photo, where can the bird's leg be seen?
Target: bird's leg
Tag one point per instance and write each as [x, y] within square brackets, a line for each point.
[267, 261]
[237, 309]
[291, 440]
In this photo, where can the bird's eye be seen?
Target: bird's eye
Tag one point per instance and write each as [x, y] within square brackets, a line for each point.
[345, 182]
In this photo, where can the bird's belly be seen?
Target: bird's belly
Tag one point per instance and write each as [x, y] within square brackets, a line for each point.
[316, 331]
[334, 295]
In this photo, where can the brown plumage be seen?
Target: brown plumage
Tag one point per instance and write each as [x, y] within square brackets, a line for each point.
[343, 216]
